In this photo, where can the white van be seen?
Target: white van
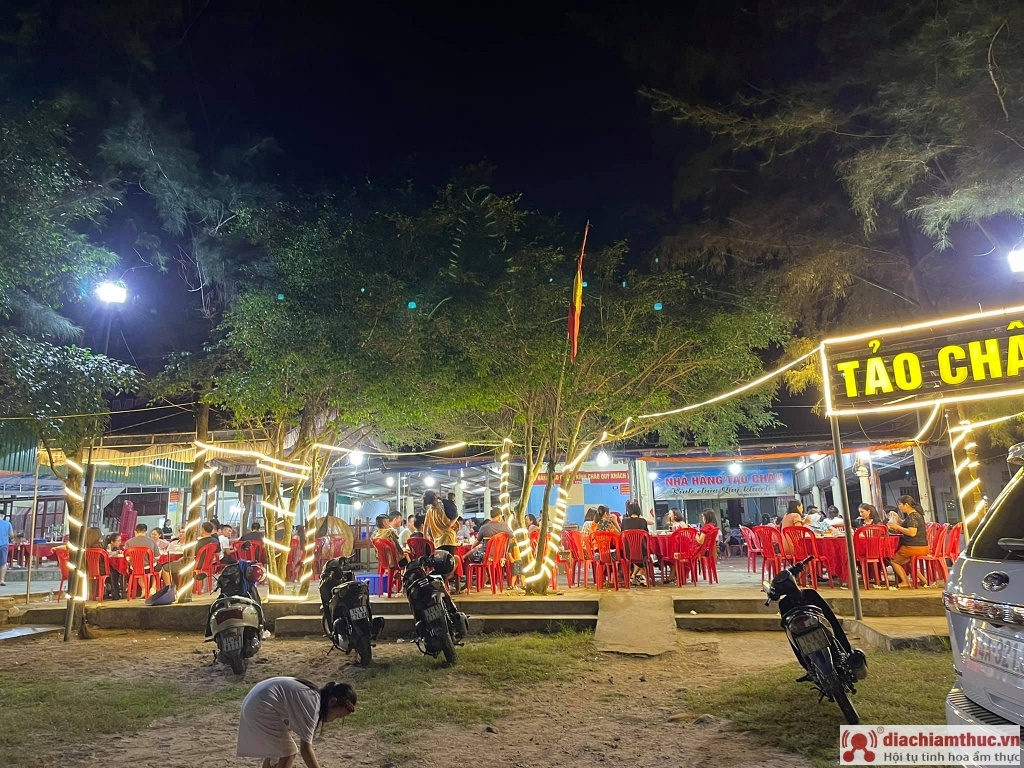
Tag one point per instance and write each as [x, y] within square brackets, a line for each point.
[984, 602]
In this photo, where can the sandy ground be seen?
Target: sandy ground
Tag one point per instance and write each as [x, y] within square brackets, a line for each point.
[618, 713]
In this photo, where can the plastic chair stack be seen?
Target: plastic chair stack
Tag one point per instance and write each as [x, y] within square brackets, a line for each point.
[142, 571]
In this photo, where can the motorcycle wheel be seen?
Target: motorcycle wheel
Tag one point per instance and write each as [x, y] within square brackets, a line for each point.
[448, 649]
[364, 651]
[328, 629]
[238, 664]
[838, 692]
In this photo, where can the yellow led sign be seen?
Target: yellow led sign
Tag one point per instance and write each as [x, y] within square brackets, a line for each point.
[951, 360]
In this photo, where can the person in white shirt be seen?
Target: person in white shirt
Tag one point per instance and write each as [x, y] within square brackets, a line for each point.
[280, 705]
[407, 531]
[225, 538]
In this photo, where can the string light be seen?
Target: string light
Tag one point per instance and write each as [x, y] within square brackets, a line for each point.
[733, 393]
[341, 449]
[987, 423]
[927, 428]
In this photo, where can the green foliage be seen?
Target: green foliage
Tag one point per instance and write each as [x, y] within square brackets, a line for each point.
[882, 180]
[44, 196]
[41, 383]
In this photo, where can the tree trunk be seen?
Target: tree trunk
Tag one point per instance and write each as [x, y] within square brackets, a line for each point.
[73, 498]
[971, 503]
[196, 503]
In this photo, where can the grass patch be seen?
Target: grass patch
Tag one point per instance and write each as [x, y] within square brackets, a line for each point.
[56, 712]
[399, 696]
[905, 687]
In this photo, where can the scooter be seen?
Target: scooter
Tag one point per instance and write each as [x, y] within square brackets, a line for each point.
[236, 620]
[346, 611]
[440, 626]
[818, 640]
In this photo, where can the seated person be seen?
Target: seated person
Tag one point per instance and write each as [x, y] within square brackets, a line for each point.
[255, 533]
[163, 544]
[493, 526]
[140, 539]
[635, 522]
[913, 538]
[172, 570]
[606, 521]
[531, 523]
[113, 543]
[407, 530]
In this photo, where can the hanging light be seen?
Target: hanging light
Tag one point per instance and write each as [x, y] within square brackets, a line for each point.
[603, 459]
[735, 468]
[428, 481]
[463, 484]
[652, 475]
[357, 504]
[389, 481]
[356, 458]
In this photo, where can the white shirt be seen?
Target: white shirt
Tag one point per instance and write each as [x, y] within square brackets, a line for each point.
[225, 545]
[270, 710]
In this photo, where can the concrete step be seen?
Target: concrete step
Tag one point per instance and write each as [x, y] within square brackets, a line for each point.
[728, 622]
[929, 603]
[928, 633]
[402, 625]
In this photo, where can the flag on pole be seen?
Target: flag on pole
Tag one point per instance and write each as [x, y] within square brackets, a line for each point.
[577, 300]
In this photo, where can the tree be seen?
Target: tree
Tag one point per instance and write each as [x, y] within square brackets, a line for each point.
[492, 302]
[879, 180]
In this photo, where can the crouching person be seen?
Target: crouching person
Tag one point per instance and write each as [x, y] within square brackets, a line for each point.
[282, 704]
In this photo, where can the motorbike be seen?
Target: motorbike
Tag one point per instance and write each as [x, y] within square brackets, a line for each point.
[440, 626]
[818, 640]
[347, 615]
[236, 621]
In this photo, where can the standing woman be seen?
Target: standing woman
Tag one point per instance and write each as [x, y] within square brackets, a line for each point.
[282, 704]
[437, 526]
[913, 538]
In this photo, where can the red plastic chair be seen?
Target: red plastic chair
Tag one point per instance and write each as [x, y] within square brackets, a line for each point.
[868, 546]
[773, 558]
[207, 566]
[296, 554]
[253, 551]
[609, 558]
[636, 549]
[420, 547]
[804, 544]
[387, 565]
[706, 563]
[933, 564]
[534, 538]
[97, 567]
[578, 560]
[142, 571]
[63, 555]
[753, 548]
[493, 564]
[684, 547]
[953, 543]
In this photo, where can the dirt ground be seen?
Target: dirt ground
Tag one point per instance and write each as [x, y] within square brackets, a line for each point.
[618, 714]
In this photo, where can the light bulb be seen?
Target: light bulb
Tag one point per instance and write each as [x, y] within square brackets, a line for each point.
[652, 475]
[428, 481]
[603, 459]
[735, 468]
[463, 484]
[112, 293]
[357, 504]
[356, 458]
[389, 481]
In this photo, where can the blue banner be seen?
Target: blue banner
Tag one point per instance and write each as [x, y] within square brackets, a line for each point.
[719, 483]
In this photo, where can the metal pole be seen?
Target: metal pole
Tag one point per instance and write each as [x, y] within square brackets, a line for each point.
[851, 557]
[32, 533]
